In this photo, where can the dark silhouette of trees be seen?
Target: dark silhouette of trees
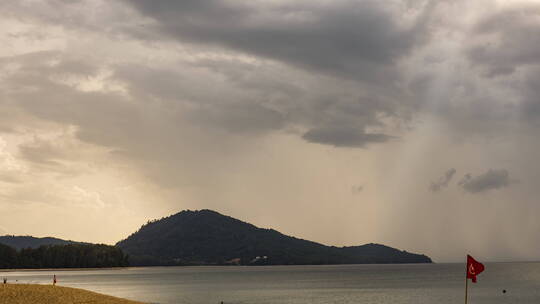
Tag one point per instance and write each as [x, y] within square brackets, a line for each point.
[63, 256]
[8, 256]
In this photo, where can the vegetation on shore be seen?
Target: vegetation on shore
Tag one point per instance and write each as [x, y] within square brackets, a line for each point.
[62, 256]
[49, 294]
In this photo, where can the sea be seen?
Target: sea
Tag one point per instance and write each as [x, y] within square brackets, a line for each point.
[344, 284]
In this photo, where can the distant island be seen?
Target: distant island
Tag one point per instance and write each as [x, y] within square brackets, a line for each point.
[207, 237]
[203, 237]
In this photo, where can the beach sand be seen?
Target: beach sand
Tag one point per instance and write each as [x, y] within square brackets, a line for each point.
[48, 294]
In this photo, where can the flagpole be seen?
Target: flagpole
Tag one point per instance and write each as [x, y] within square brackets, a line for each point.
[466, 283]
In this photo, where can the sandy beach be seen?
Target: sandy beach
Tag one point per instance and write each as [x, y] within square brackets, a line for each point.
[48, 294]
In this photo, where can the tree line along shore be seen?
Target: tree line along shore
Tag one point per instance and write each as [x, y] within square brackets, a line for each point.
[62, 256]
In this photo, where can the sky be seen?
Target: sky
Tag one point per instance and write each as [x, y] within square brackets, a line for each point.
[411, 123]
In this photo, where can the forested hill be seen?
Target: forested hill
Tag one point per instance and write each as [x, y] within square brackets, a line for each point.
[20, 242]
[62, 256]
[208, 238]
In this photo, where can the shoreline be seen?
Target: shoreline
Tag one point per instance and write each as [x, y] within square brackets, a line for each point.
[63, 269]
[208, 265]
[54, 294]
[242, 266]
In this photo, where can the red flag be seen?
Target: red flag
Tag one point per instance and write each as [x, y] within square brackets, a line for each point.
[474, 268]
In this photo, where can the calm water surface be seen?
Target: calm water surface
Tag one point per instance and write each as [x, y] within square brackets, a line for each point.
[344, 284]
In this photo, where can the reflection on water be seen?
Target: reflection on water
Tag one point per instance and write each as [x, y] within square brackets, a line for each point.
[344, 284]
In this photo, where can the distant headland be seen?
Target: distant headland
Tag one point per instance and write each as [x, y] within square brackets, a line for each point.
[206, 237]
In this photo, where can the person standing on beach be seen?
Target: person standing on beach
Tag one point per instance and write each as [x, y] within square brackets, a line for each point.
[5, 280]
[54, 280]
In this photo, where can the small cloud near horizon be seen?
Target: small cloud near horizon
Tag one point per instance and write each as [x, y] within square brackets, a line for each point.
[355, 189]
[443, 181]
[492, 179]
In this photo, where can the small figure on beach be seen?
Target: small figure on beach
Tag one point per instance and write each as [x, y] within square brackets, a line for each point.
[5, 280]
[54, 280]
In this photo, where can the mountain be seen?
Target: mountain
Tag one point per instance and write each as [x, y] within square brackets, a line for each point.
[206, 237]
[20, 242]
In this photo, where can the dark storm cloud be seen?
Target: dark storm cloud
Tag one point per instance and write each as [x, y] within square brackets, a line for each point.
[359, 38]
[362, 40]
[246, 98]
[507, 40]
[443, 181]
[344, 137]
[492, 179]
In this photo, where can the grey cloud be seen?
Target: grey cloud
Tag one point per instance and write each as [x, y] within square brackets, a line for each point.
[256, 99]
[530, 98]
[360, 38]
[344, 137]
[508, 39]
[222, 106]
[96, 114]
[443, 181]
[238, 118]
[492, 179]
[254, 77]
[93, 15]
[357, 189]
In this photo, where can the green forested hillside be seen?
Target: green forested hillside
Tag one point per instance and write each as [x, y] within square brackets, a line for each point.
[207, 237]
